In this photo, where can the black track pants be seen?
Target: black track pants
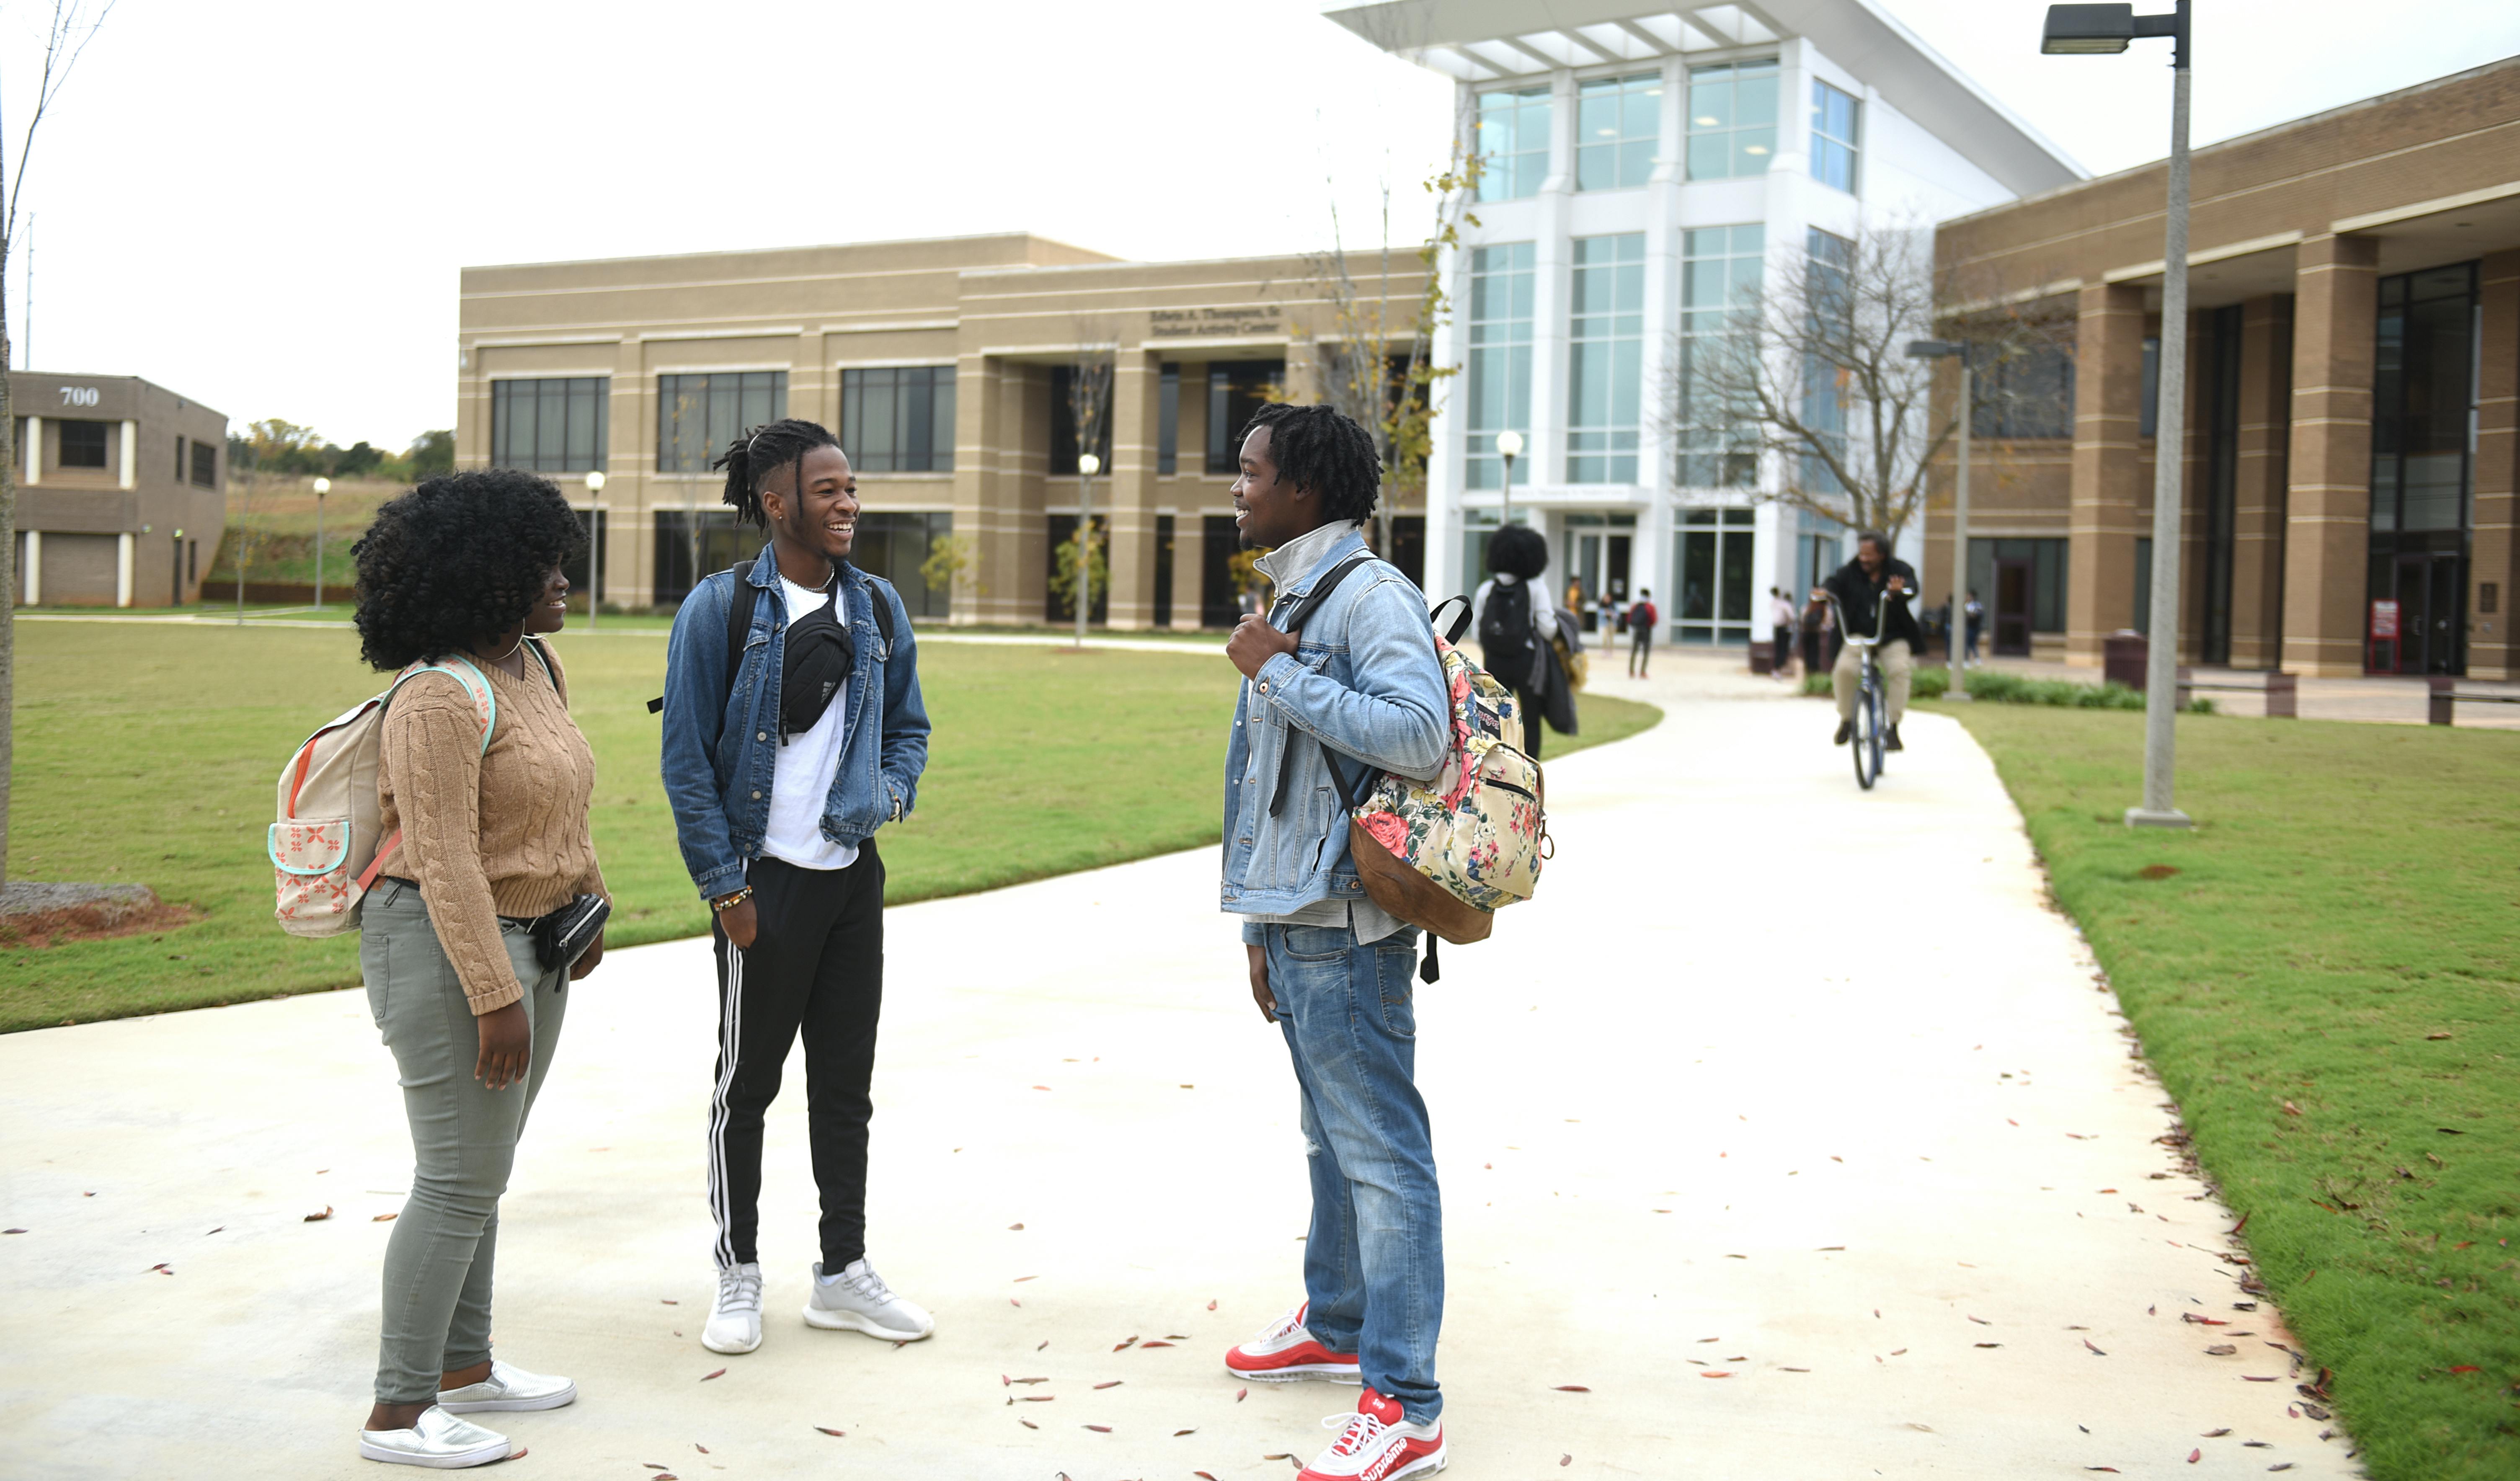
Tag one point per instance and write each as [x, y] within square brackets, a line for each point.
[815, 965]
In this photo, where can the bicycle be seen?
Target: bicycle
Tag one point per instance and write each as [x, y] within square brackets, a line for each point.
[1872, 715]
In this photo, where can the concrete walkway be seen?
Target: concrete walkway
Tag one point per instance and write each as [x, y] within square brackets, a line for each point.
[1786, 1135]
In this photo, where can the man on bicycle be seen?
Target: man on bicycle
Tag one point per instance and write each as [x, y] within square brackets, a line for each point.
[1859, 586]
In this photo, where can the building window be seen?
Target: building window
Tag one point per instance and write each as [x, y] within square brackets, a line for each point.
[83, 444]
[1234, 392]
[1606, 371]
[2148, 416]
[692, 543]
[1168, 424]
[549, 426]
[1714, 558]
[898, 420]
[1514, 140]
[1721, 271]
[206, 466]
[179, 457]
[1618, 120]
[1499, 371]
[699, 416]
[896, 547]
[2028, 394]
[1731, 120]
[1825, 384]
[1837, 146]
[2022, 585]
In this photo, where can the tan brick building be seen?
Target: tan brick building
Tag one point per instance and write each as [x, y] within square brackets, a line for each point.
[942, 365]
[121, 491]
[2353, 352]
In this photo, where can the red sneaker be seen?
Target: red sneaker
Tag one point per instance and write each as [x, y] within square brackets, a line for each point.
[1376, 1443]
[1286, 1352]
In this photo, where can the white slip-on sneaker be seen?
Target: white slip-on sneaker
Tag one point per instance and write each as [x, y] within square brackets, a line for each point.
[438, 1440]
[508, 1388]
[734, 1321]
[857, 1300]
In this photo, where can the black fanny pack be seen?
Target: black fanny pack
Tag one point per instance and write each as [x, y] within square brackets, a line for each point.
[818, 659]
[564, 935]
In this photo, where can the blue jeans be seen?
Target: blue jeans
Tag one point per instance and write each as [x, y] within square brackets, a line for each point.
[1373, 1264]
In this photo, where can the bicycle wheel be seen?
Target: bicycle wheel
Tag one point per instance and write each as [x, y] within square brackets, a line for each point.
[1876, 703]
[1866, 747]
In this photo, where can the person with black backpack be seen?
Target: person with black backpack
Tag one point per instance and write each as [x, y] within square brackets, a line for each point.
[1515, 622]
[794, 732]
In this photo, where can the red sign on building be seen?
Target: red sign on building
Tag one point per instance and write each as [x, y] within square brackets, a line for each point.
[2384, 619]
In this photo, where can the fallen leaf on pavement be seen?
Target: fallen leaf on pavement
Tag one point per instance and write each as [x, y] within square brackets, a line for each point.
[1021, 1279]
[1014, 1227]
[1981, 1321]
[1132, 1342]
[668, 1301]
[1114, 1383]
[720, 1373]
[379, 1219]
[2254, 1379]
[1572, 1388]
[319, 1218]
[1143, 1346]
[2195, 1456]
[1212, 1306]
[1238, 1393]
[1099, 1429]
[833, 1433]
[1177, 1434]
[1026, 1423]
[1989, 1345]
[1011, 1301]
[2220, 1350]
[2087, 1342]
[1718, 1374]
[1565, 1459]
[1035, 1398]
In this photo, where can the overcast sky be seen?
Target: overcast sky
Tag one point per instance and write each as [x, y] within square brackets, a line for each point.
[263, 203]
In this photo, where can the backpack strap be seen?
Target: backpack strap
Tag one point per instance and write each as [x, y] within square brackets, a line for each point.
[739, 617]
[1460, 624]
[1295, 620]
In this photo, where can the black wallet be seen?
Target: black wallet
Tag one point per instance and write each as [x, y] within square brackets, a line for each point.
[564, 935]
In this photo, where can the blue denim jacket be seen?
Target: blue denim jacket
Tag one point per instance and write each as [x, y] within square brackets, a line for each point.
[1364, 679]
[719, 757]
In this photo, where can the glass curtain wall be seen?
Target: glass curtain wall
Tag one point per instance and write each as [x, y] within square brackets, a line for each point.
[1731, 120]
[1713, 554]
[1605, 358]
[1721, 271]
[2423, 450]
[1513, 141]
[1498, 374]
[551, 425]
[1618, 120]
[1832, 258]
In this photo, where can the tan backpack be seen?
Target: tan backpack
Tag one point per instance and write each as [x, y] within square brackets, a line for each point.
[325, 847]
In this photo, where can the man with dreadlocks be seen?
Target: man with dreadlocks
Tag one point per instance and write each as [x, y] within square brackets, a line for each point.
[1360, 689]
[793, 731]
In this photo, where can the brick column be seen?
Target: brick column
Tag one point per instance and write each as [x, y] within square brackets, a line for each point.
[2107, 480]
[2258, 493]
[988, 452]
[1137, 390]
[2495, 554]
[2327, 537]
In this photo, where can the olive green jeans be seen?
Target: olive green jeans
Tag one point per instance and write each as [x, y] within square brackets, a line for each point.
[439, 1259]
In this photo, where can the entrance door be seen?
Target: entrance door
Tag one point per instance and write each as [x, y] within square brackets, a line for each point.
[2013, 593]
[2430, 609]
[1588, 569]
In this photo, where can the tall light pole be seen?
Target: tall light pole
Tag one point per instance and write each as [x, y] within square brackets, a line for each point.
[1508, 446]
[1087, 465]
[595, 481]
[1956, 630]
[179, 567]
[2106, 29]
[323, 486]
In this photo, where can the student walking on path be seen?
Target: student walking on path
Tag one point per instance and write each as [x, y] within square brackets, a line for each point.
[485, 812]
[1515, 623]
[1360, 689]
[1642, 618]
[794, 732]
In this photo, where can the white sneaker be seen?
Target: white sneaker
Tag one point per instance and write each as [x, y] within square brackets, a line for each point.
[508, 1388]
[734, 1321]
[1376, 1443]
[438, 1440]
[857, 1300]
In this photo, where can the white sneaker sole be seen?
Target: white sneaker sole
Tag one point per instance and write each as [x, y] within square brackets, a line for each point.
[1330, 1372]
[851, 1322]
[460, 1461]
[563, 1397]
[737, 1349]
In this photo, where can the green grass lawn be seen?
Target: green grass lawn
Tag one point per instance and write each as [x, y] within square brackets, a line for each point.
[2329, 984]
[148, 753]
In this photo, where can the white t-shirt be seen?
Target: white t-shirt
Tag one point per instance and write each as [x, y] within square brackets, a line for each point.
[800, 786]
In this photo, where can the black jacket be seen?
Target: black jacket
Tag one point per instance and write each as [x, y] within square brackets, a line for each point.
[1858, 598]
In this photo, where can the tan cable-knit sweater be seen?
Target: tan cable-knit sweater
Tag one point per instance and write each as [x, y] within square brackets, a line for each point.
[488, 834]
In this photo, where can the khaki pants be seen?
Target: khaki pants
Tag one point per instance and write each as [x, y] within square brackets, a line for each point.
[1898, 668]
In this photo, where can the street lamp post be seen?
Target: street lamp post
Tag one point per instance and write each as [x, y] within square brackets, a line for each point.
[1087, 465]
[1508, 446]
[179, 567]
[1956, 630]
[2106, 29]
[323, 486]
[594, 554]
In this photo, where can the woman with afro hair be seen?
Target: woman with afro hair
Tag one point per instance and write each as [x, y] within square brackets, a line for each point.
[1516, 622]
[485, 818]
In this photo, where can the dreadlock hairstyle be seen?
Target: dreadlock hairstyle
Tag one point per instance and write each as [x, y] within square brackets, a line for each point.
[1320, 449]
[753, 456]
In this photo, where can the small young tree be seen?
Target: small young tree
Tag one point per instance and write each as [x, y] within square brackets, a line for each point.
[948, 558]
[72, 27]
[1089, 407]
[1812, 370]
[1096, 568]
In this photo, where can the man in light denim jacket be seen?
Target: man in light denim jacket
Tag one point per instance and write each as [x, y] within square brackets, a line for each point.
[779, 772]
[1332, 969]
